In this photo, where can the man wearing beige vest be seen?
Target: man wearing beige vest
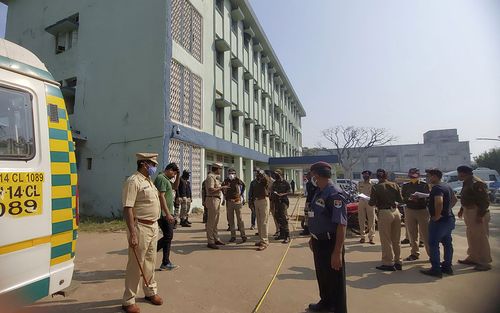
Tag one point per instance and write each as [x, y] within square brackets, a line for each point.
[365, 210]
[141, 209]
[474, 210]
[212, 201]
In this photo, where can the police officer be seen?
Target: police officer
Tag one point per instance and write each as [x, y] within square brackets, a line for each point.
[234, 202]
[327, 224]
[310, 192]
[279, 197]
[141, 206]
[213, 201]
[366, 212]
[386, 196]
[416, 213]
[474, 210]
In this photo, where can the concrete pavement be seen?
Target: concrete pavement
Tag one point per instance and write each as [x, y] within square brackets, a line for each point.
[233, 279]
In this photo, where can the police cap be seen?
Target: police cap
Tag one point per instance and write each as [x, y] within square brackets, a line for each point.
[147, 156]
[217, 165]
[366, 172]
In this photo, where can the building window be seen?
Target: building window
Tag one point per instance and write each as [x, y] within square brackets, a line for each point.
[236, 123]
[264, 140]
[256, 94]
[234, 73]
[219, 58]
[247, 85]
[219, 5]
[186, 90]
[247, 130]
[256, 134]
[234, 25]
[68, 89]
[17, 140]
[187, 27]
[246, 41]
[219, 116]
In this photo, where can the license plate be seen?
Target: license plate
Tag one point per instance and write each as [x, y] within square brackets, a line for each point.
[21, 194]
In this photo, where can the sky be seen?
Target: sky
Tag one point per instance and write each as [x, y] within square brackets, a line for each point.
[406, 66]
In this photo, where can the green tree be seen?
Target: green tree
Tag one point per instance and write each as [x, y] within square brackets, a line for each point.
[489, 159]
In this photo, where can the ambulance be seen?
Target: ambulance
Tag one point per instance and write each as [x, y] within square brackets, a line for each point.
[38, 181]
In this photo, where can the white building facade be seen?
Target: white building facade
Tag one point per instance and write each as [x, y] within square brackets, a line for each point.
[195, 81]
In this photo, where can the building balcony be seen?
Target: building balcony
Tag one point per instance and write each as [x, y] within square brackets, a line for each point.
[237, 14]
[222, 45]
[248, 30]
[222, 103]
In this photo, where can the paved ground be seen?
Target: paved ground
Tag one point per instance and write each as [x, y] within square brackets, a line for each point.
[233, 278]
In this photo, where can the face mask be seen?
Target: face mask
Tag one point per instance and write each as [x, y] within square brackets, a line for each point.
[314, 181]
[151, 170]
[232, 176]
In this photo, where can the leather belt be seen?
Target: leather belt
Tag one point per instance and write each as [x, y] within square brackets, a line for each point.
[213, 197]
[147, 222]
[260, 198]
[323, 236]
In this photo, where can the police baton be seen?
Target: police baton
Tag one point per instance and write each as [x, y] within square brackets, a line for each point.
[146, 282]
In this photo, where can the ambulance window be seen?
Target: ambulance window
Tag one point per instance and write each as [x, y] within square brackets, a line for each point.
[16, 125]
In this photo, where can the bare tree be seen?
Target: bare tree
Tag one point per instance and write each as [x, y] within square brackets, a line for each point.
[351, 142]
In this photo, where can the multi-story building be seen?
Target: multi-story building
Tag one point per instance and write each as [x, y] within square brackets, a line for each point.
[441, 149]
[196, 81]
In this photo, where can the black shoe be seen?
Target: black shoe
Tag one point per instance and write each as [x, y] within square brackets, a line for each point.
[305, 232]
[412, 257]
[405, 241]
[319, 307]
[286, 240]
[228, 228]
[212, 246]
[188, 222]
[398, 266]
[276, 234]
[243, 239]
[185, 224]
[219, 243]
[387, 268]
[447, 270]
[431, 272]
[233, 239]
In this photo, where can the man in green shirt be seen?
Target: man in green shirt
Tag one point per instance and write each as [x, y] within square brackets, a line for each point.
[166, 221]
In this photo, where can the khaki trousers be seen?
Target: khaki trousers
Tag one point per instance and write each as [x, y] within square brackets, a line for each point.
[417, 223]
[366, 212]
[477, 236]
[273, 213]
[213, 207]
[185, 208]
[232, 208]
[389, 228]
[262, 214]
[147, 236]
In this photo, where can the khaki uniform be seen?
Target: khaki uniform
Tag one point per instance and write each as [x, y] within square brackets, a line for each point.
[384, 196]
[366, 211]
[416, 216]
[234, 205]
[261, 203]
[212, 202]
[474, 200]
[140, 193]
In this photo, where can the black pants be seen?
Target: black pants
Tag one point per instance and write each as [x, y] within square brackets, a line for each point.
[166, 241]
[332, 285]
[280, 211]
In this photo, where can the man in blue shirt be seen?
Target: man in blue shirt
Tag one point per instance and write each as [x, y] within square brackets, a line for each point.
[442, 222]
[327, 225]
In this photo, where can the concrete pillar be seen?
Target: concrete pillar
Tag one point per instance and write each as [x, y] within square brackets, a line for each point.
[300, 179]
[238, 166]
[248, 175]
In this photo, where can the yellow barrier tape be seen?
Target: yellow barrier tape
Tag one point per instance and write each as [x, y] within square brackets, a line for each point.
[264, 295]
